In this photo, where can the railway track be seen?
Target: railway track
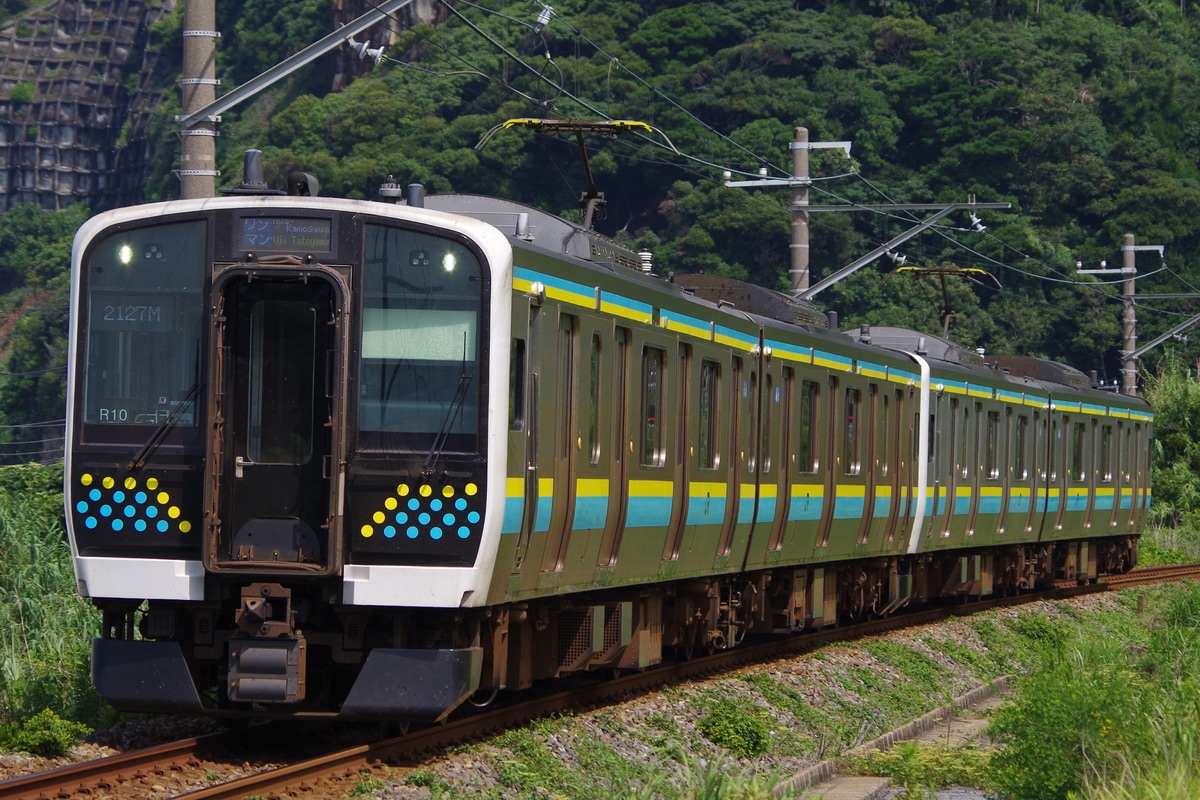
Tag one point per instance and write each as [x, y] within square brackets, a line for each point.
[1178, 572]
[106, 776]
[332, 774]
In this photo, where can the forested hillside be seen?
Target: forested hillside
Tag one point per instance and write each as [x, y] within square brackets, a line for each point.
[1084, 115]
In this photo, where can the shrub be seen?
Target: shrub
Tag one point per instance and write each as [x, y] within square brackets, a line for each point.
[1079, 714]
[916, 766]
[47, 734]
[738, 727]
[23, 92]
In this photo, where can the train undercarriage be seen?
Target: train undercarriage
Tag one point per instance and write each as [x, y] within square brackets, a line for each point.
[265, 649]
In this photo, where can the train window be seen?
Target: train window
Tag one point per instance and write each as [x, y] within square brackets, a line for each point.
[1078, 467]
[934, 439]
[1056, 433]
[771, 399]
[282, 355]
[420, 366]
[594, 403]
[1040, 427]
[1021, 466]
[516, 386]
[653, 392]
[710, 380]
[621, 419]
[566, 384]
[1128, 453]
[853, 460]
[683, 419]
[884, 422]
[964, 440]
[915, 437]
[992, 464]
[144, 308]
[1106, 453]
[752, 460]
[809, 396]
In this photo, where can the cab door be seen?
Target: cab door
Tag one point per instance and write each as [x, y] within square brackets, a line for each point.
[275, 386]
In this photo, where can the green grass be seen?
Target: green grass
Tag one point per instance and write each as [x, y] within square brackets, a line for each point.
[45, 627]
[531, 760]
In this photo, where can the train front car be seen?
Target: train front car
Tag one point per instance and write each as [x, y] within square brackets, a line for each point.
[286, 424]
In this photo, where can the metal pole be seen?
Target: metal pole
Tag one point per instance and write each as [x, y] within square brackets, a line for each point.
[799, 271]
[198, 148]
[1129, 363]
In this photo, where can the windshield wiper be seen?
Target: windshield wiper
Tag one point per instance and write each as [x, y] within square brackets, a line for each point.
[456, 403]
[439, 442]
[139, 458]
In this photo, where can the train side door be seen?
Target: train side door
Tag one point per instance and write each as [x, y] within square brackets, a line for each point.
[531, 444]
[618, 474]
[735, 474]
[1117, 471]
[978, 462]
[874, 430]
[785, 474]
[1029, 468]
[275, 386]
[829, 426]
[1007, 470]
[955, 463]
[1039, 492]
[1060, 467]
[897, 454]
[563, 394]
[1084, 465]
[1139, 456]
[684, 456]
[773, 494]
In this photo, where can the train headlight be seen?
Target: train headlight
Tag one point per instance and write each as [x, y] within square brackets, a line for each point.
[125, 254]
[449, 262]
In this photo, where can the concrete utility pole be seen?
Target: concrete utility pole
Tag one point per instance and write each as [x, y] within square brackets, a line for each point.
[1129, 319]
[198, 148]
[799, 271]
[1129, 349]
[799, 182]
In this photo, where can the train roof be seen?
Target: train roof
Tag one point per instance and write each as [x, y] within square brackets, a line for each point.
[752, 299]
[923, 344]
[551, 232]
[538, 227]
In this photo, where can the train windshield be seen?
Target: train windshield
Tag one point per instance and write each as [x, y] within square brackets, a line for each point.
[143, 326]
[420, 374]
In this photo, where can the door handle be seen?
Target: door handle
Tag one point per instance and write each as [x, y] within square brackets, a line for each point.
[239, 464]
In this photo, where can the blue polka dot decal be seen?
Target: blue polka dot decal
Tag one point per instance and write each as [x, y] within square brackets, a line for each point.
[128, 506]
[427, 513]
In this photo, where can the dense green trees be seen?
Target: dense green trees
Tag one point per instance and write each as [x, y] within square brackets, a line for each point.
[1086, 117]
[35, 253]
[1175, 393]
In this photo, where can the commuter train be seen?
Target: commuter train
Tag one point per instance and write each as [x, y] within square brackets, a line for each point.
[371, 459]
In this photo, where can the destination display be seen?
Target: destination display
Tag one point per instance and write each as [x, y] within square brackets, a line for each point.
[285, 235]
[132, 312]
